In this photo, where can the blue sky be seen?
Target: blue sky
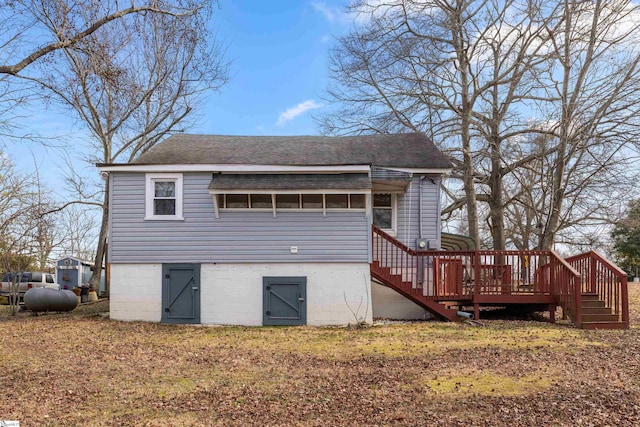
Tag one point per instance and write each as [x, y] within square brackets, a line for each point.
[279, 71]
[278, 51]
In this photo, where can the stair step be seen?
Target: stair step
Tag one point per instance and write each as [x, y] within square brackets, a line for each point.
[592, 304]
[600, 317]
[603, 325]
[590, 297]
[596, 310]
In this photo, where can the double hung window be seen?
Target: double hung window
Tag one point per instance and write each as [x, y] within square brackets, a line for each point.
[164, 196]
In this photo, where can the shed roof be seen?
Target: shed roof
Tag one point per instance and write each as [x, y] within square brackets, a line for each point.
[354, 181]
[79, 260]
[409, 150]
[456, 242]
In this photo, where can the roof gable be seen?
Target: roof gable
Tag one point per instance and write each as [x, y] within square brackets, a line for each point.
[411, 150]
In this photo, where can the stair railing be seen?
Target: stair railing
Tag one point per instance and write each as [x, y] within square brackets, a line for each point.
[395, 260]
[463, 274]
[607, 280]
[567, 287]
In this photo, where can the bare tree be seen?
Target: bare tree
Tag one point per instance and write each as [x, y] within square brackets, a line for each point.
[16, 225]
[12, 96]
[42, 38]
[472, 75]
[133, 82]
[44, 234]
[78, 226]
[456, 70]
[594, 88]
[595, 179]
[26, 38]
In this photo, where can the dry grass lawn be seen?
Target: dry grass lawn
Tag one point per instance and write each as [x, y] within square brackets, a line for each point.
[80, 369]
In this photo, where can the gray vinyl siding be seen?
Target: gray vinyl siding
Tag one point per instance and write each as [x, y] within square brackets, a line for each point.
[388, 174]
[408, 213]
[234, 237]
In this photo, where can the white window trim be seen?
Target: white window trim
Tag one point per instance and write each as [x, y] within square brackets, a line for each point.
[394, 214]
[150, 179]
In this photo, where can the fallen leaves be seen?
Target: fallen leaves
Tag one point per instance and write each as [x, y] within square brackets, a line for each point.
[79, 369]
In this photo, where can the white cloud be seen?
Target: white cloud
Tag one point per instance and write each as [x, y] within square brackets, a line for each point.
[293, 112]
[330, 13]
[334, 14]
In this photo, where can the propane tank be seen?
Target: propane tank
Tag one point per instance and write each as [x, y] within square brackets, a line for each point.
[45, 299]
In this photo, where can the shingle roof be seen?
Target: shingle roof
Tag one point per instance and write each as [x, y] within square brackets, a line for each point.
[379, 174]
[354, 181]
[410, 150]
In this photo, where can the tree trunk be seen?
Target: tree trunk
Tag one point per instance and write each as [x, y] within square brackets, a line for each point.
[496, 205]
[94, 282]
[559, 165]
[457, 32]
[469, 184]
[496, 186]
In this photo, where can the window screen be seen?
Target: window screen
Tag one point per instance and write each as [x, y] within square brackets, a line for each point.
[337, 201]
[164, 200]
[237, 201]
[357, 201]
[287, 201]
[312, 201]
[261, 201]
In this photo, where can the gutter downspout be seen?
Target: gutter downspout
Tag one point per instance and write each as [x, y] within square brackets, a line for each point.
[407, 215]
[420, 234]
[438, 184]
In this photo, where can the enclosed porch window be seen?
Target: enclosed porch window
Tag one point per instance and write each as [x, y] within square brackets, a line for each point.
[291, 201]
[291, 192]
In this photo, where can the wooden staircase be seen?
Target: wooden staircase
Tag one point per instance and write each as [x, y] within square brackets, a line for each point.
[602, 297]
[590, 289]
[411, 292]
[595, 314]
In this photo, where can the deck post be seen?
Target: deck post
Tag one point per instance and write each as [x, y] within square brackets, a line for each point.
[625, 301]
[476, 311]
[592, 273]
[552, 313]
[577, 301]
[476, 274]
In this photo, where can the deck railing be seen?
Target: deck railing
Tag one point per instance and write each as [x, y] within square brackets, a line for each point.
[568, 288]
[608, 281]
[459, 275]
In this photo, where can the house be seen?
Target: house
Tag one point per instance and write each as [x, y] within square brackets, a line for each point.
[252, 230]
[74, 272]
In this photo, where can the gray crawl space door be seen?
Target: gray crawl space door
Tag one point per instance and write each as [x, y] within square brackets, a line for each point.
[180, 293]
[285, 300]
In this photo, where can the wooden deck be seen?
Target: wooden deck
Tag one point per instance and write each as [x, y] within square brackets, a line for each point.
[440, 280]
